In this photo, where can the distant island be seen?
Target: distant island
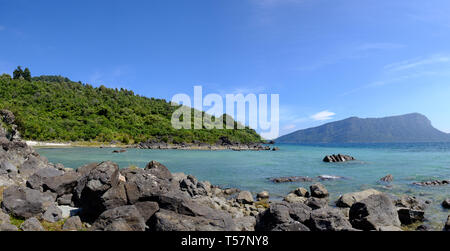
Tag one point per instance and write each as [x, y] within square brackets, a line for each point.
[54, 108]
[409, 128]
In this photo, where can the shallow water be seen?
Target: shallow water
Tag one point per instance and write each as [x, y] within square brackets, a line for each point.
[250, 170]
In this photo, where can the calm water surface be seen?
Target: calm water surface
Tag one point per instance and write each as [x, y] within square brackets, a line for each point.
[251, 170]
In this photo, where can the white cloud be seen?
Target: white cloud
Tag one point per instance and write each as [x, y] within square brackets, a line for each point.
[322, 116]
[418, 62]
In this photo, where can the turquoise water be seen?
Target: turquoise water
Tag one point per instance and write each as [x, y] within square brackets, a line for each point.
[250, 170]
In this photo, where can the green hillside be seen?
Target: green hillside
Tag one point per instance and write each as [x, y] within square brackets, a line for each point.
[53, 108]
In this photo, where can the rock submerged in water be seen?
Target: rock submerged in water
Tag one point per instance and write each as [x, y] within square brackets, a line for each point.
[338, 158]
[291, 179]
[446, 203]
[347, 200]
[432, 183]
[388, 178]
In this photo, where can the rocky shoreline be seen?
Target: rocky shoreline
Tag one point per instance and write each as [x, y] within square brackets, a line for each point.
[223, 144]
[36, 195]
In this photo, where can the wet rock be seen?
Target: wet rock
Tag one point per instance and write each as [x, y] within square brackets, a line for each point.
[446, 203]
[291, 179]
[120, 151]
[32, 224]
[24, 202]
[329, 219]
[276, 149]
[388, 179]
[329, 177]
[125, 218]
[319, 191]
[73, 224]
[374, 212]
[347, 200]
[245, 197]
[264, 195]
[338, 158]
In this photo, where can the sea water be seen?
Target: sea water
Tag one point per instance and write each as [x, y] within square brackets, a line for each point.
[252, 170]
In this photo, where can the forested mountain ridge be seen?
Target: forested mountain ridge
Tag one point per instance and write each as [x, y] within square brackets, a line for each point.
[54, 108]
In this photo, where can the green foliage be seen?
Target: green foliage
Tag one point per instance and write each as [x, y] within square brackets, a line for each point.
[55, 108]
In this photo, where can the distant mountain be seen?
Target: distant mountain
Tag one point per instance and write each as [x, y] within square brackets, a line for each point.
[409, 128]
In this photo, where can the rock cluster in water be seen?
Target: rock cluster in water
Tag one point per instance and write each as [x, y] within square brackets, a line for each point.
[338, 158]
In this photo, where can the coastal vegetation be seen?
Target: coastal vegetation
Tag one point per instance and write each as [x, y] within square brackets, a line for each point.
[54, 108]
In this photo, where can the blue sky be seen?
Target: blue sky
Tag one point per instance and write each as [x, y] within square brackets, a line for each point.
[328, 59]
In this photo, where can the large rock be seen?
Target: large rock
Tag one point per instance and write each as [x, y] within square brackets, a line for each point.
[192, 186]
[115, 197]
[284, 217]
[40, 176]
[264, 195]
[159, 170]
[410, 210]
[374, 212]
[142, 185]
[32, 224]
[388, 178]
[316, 203]
[95, 181]
[245, 197]
[294, 198]
[329, 219]
[147, 209]
[125, 218]
[338, 158]
[52, 214]
[25, 203]
[32, 164]
[166, 220]
[62, 184]
[319, 191]
[347, 200]
[8, 227]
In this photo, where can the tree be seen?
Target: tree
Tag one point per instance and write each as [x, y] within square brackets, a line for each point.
[27, 74]
[18, 73]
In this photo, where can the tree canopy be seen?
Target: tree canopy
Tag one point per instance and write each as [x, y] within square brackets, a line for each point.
[55, 108]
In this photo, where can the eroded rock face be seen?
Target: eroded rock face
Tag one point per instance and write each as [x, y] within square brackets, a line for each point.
[25, 203]
[374, 212]
[338, 158]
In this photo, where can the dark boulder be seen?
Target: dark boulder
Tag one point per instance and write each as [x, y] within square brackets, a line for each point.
[283, 216]
[447, 224]
[37, 180]
[388, 179]
[114, 197]
[329, 219]
[23, 202]
[410, 210]
[374, 212]
[147, 209]
[125, 218]
[432, 183]
[446, 203]
[338, 158]
[166, 220]
[32, 224]
[62, 184]
[316, 203]
[159, 170]
[73, 224]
